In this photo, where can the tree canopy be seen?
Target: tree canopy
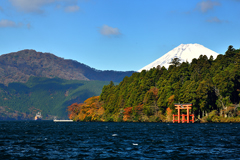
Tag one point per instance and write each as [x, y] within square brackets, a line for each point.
[146, 96]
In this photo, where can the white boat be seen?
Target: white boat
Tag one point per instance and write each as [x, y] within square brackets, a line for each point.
[38, 116]
[57, 120]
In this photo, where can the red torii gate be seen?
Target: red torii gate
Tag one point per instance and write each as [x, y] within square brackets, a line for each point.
[183, 106]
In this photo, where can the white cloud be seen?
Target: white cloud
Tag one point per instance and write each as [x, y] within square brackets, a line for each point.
[74, 8]
[109, 31]
[207, 5]
[215, 20]
[1, 9]
[37, 6]
[30, 5]
[7, 23]
[29, 26]
[58, 6]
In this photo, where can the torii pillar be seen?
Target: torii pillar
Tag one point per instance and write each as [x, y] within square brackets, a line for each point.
[183, 106]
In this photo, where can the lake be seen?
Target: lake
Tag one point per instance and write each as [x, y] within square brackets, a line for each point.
[100, 140]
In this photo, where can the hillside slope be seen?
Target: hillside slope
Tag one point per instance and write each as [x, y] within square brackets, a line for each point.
[19, 66]
[49, 96]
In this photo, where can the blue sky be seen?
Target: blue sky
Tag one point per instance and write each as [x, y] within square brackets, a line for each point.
[117, 34]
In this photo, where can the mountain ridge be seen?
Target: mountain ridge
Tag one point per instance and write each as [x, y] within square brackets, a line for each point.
[185, 52]
[19, 66]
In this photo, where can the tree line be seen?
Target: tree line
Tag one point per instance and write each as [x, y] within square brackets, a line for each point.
[150, 95]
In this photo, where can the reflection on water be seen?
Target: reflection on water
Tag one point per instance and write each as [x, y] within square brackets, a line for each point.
[92, 140]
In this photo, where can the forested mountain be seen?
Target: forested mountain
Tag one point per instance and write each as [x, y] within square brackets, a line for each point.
[150, 95]
[51, 97]
[33, 81]
[19, 66]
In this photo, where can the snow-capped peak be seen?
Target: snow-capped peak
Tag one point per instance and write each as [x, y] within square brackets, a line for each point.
[185, 52]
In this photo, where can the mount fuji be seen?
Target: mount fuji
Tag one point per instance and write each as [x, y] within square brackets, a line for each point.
[185, 52]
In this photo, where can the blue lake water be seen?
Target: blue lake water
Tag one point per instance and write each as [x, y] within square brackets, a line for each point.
[96, 140]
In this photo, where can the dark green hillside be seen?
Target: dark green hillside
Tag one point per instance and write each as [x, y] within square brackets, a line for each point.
[50, 96]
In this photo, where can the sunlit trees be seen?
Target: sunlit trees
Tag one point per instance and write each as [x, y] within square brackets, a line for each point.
[90, 110]
[150, 95]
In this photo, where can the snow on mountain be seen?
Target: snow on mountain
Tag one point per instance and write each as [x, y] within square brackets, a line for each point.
[185, 52]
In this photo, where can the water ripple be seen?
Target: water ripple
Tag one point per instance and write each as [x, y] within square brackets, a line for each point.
[48, 140]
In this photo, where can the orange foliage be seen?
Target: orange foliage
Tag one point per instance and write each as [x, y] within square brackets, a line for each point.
[169, 111]
[169, 114]
[127, 113]
[125, 118]
[90, 110]
[73, 110]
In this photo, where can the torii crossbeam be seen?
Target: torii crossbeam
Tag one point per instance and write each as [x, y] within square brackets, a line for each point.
[183, 106]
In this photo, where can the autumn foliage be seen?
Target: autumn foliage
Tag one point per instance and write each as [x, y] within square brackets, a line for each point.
[127, 113]
[169, 114]
[90, 110]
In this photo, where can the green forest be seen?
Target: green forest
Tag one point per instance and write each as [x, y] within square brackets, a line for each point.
[212, 86]
[50, 96]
